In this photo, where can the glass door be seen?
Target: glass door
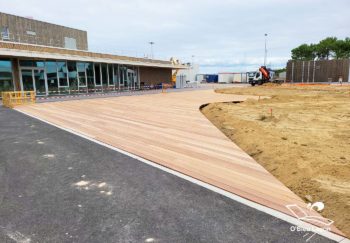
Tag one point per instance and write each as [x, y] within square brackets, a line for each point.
[39, 79]
[123, 78]
[131, 79]
[33, 79]
[27, 80]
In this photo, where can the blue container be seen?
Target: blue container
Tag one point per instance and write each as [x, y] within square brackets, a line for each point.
[211, 78]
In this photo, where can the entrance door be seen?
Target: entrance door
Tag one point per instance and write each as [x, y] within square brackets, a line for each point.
[131, 79]
[39, 79]
[34, 79]
[27, 80]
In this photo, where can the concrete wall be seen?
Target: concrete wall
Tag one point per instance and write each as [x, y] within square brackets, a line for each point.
[154, 76]
[18, 29]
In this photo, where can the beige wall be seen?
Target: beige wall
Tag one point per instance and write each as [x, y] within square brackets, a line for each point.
[153, 76]
[23, 29]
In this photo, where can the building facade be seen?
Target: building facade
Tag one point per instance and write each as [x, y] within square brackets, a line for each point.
[55, 71]
[25, 30]
[57, 62]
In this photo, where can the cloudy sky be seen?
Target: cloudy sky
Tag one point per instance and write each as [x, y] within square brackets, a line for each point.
[220, 35]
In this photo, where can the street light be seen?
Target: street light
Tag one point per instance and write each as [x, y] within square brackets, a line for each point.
[191, 70]
[151, 43]
[265, 56]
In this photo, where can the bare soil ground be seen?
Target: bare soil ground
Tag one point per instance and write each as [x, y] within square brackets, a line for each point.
[305, 143]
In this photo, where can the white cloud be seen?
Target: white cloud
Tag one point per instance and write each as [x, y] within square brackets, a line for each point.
[225, 35]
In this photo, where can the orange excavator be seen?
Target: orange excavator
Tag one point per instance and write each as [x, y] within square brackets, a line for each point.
[263, 75]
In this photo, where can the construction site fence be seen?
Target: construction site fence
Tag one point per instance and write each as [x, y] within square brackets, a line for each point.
[318, 71]
[12, 99]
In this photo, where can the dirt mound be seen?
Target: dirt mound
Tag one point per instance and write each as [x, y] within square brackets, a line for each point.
[304, 142]
[271, 84]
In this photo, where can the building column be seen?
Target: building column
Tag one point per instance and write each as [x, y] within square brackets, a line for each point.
[15, 74]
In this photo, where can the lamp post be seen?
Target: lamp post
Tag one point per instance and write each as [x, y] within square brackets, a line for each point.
[265, 55]
[191, 70]
[151, 43]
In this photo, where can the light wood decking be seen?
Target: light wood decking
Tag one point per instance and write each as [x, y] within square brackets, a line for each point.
[170, 130]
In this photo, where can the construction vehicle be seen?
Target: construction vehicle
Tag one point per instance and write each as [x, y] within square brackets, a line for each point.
[263, 75]
[174, 61]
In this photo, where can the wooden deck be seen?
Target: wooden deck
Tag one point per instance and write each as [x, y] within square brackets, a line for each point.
[170, 130]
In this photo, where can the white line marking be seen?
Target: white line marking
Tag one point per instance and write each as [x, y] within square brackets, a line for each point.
[15, 235]
[259, 207]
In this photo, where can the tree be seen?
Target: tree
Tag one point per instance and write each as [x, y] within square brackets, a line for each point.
[342, 48]
[304, 52]
[325, 48]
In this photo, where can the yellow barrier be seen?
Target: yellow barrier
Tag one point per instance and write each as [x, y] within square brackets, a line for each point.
[11, 99]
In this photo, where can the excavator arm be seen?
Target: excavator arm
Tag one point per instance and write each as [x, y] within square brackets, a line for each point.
[265, 73]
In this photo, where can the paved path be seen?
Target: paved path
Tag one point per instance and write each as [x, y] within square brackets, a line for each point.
[170, 130]
[95, 95]
[59, 187]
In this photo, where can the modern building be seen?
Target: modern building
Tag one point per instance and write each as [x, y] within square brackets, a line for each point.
[50, 70]
[26, 30]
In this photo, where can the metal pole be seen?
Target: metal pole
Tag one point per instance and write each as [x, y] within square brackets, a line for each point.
[308, 70]
[313, 75]
[265, 56]
[349, 72]
[151, 43]
[302, 73]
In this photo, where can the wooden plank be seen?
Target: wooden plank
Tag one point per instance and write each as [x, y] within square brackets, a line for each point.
[169, 129]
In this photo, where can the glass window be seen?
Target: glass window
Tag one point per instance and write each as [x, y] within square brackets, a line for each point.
[110, 74]
[122, 75]
[82, 66]
[27, 79]
[62, 74]
[26, 63]
[116, 76]
[97, 74]
[104, 74]
[90, 75]
[6, 81]
[31, 63]
[39, 64]
[51, 73]
[39, 78]
[72, 75]
[136, 77]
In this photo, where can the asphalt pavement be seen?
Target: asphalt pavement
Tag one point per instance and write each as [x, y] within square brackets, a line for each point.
[59, 187]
